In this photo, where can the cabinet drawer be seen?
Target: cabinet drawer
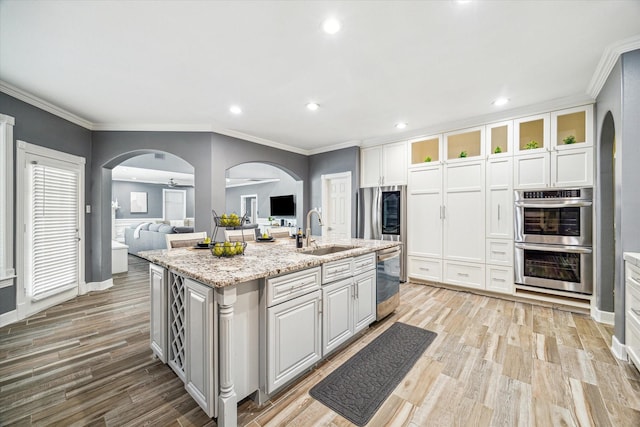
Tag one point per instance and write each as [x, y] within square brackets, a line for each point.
[284, 288]
[364, 263]
[632, 273]
[425, 268]
[632, 339]
[500, 279]
[633, 296]
[336, 270]
[500, 252]
[464, 274]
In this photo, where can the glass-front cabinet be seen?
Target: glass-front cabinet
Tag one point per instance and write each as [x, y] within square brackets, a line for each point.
[463, 144]
[499, 138]
[572, 128]
[426, 150]
[532, 134]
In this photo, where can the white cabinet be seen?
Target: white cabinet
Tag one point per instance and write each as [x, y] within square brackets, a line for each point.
[632, 310]
[158, 311]
[364, 306]
[294, 341]
[337, 314]
[562, 168]
[201, 321]
[500, 198]
[424, 212]
[499, 279]
[532, 170]
[464, 212]
[469, 275]
[425, 268]
[384, 165]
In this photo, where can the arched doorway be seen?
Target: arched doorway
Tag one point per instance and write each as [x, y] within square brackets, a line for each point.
[605, 217]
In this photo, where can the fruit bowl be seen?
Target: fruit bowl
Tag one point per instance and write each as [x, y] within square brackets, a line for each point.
[228, 249]
[225, 220]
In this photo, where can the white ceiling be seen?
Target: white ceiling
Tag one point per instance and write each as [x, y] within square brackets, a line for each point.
[180, 65]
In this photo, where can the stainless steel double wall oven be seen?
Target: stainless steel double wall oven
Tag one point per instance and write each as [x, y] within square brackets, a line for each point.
[553, 239]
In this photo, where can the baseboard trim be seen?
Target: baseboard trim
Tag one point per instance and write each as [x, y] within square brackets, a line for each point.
[95, 286]
[606, 317]
[8, 318]
[618, 349]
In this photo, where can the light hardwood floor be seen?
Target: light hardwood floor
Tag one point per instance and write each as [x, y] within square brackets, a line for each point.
[494, 363]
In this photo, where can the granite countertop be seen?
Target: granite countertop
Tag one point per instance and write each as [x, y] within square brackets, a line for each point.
[261, 259]
[632, 257]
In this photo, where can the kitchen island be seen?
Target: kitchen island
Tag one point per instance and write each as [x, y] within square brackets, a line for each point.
[249, 324]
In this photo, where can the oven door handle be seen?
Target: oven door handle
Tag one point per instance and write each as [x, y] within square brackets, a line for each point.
[555, 248]
[554, 205]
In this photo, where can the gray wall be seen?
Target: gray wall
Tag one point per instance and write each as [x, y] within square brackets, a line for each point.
[38, 127]
[621, 96]
[122, 191]
[344, 160]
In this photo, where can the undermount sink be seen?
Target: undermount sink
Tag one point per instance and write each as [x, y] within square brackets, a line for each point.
[326, 250]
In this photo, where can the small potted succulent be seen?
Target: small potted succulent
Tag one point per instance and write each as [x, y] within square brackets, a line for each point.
[463, 154]
[569, 140]
[427, 159]
[497, 150]
[531, 145]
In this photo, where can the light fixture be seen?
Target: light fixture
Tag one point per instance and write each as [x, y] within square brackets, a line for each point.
[312, 106]
[235, 109]
[331, 26]
[401, 125]
[500, 102]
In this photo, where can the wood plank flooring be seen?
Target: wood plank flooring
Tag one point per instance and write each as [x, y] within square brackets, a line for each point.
[494, 363]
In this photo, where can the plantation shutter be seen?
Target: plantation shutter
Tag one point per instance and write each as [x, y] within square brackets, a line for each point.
[54, 231]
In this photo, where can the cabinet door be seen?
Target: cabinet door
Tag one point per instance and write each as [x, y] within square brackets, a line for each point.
[200, 326]
[500, 279]
[531, 171]
[158, 312]
[294, 341]
[464, 213]
[394, 164]
[365, 300]
[500, 198]
[425, 268]
[572, 167]
[337, 314]
[424, 224]
[370, 166]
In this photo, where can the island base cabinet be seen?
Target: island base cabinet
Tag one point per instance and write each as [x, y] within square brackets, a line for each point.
[337, 314]
[201, 333]
[364, 312]
[294, 341]
[158, 312]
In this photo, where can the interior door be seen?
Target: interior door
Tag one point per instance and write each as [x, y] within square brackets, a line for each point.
[336, 198]
[51, 212]
[175, 204]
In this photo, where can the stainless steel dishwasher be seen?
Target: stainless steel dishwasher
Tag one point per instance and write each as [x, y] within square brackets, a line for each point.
[387, 281]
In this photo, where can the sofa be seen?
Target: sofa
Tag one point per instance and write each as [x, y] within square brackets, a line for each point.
[149, 236]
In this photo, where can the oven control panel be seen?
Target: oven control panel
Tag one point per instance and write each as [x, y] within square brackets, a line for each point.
[553, 194]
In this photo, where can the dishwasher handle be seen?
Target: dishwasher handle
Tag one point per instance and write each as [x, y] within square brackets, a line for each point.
[386, 254]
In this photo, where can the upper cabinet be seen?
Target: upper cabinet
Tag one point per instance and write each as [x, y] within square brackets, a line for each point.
[532, 134]
[464, 144]
[572, 128]
[499, 138]
[423, 151]
[384, 165]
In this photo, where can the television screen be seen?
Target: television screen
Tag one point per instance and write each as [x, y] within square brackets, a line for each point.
[283, 206]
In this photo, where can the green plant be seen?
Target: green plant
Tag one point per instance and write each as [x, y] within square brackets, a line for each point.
[531, 145]
[427, 159]
[569, 140]
[497, 150]
[463, 154]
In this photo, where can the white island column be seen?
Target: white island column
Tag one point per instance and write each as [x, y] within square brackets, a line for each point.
[227, 400]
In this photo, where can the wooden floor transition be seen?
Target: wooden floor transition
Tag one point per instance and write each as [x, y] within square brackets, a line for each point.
[494, 363]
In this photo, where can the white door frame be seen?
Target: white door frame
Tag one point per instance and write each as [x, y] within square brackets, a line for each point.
[184, 200]
[243, 197]
[326, 193]
[22, 150]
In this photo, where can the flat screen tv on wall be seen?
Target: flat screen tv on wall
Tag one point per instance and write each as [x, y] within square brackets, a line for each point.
[283, 205]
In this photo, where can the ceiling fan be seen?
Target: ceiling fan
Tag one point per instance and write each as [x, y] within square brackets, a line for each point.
[173, 184]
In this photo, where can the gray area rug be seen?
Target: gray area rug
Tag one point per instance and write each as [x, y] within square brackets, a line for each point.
[360, 385]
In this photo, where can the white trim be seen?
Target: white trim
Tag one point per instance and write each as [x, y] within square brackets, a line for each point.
[606, 317]
[6, 282]
[608, 61]
[7, 265]
[618, 349]
[95, 286]
[8, 318]
[347, 144]
[44, 105]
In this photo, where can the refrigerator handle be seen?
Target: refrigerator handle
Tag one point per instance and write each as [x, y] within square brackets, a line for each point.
[377, 214]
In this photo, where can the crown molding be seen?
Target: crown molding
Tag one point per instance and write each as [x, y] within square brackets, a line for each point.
[262, 141]
[44, 105]
[347, 144]
[608, 61]
[514, 113]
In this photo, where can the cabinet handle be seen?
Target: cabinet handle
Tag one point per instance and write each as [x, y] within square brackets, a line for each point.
[463, 274]
[636, 311]
[496, 279]
[424, 269]
[498, 211]
[499, 252]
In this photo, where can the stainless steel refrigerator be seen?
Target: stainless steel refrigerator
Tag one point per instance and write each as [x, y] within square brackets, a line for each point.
[382, 215]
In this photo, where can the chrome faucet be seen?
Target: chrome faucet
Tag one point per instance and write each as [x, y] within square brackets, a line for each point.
[308, 231]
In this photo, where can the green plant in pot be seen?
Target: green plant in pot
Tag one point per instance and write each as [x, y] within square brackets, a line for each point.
[427, 159]
[498, 150]
[569, 140]
[531, 145]
[463, 154]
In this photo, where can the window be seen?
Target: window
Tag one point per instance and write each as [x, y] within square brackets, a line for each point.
[6, 199]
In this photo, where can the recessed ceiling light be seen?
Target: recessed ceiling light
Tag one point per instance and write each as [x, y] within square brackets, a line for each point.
[331, 26]
[235, 109]
[312, 106]
[401, 125]
[500, 101]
